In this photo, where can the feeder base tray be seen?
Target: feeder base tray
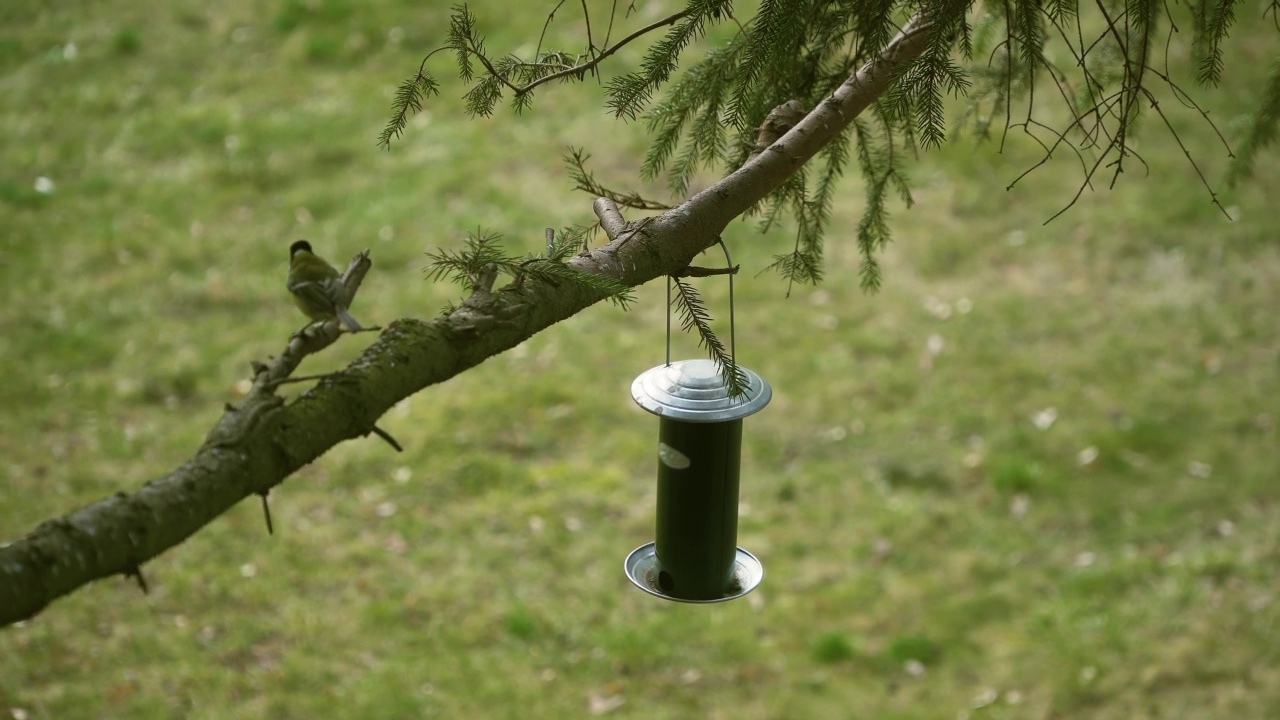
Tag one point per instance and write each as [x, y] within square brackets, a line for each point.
[642, 568]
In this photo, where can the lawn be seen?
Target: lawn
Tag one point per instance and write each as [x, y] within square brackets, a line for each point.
[1036, 475]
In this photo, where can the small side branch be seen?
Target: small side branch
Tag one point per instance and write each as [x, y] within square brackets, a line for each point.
[353, 276]
[387, 436]
[610, 217]
[695, 271]
[266, 512]
[136, 574]
[1103, 118]
[582, 69]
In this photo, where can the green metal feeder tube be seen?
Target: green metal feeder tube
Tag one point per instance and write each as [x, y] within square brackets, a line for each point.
[697, 523]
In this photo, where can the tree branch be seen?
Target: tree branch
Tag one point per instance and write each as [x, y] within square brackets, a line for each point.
[579, 70]
[572, 70]
[259, 443]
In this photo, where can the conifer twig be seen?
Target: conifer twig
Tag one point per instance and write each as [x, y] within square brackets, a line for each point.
[694, 316]
[577, 159]
[578, 70]
[611, 219]
[266, 512]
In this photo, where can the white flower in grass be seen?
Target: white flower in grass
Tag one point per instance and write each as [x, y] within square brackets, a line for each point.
[983, 698]
[1087, 456]
[1045, 419]
[937, 308]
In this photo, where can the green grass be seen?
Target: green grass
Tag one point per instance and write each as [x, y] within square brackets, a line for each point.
[930, 549]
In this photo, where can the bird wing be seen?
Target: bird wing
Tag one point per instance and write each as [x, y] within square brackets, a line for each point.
[318, 295]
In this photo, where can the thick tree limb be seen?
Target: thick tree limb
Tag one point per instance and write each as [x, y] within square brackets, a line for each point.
[259, 443]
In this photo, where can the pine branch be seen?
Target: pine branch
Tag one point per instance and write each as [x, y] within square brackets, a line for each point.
[567, 242]
[701, 88]
[408, 100]
[1113, 69]
[468, 266]
[1263, 129]
[483, 256]
[776, 33]
[508, 73]
[879, 172]
[576, 161]
[579, 71]
[804, 263]
[556, 273]
[628, 94]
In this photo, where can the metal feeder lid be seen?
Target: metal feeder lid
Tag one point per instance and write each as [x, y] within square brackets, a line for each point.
[693, 391]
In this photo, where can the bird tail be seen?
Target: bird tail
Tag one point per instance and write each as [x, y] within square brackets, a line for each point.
[347, 320]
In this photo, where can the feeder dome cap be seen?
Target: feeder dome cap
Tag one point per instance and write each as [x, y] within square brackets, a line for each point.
[693, 391]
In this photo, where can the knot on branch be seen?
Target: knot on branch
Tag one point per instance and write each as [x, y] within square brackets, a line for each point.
[776, 124]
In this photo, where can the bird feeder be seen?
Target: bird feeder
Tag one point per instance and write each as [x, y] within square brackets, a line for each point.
[695, 557]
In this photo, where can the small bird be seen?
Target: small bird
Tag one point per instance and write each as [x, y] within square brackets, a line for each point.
[317, 287]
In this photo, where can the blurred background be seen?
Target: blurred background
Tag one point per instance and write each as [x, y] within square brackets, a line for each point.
[1034, 476]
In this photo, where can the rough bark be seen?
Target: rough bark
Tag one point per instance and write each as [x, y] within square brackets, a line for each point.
[259, 443]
